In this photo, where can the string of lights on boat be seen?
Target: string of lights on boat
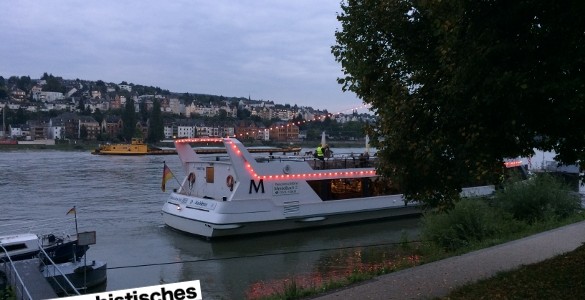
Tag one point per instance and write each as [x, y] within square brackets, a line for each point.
[316, 175]
[317, 118]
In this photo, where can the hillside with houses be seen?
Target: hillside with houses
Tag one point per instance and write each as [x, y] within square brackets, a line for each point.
[57, 109]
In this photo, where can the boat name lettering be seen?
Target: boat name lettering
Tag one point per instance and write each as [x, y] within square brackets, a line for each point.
[202, 204]
[198, 203]
[285, 188]
[179, 199]
[256, 187]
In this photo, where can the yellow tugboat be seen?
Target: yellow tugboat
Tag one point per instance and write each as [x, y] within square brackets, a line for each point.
[136, 147]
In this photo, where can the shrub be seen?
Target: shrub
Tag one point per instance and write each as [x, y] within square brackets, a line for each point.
[541, 198]
[470, 220]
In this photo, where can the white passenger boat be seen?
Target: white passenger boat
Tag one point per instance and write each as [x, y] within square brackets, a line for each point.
[245, 195]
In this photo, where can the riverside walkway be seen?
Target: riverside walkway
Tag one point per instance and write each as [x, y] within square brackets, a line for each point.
[438, 278]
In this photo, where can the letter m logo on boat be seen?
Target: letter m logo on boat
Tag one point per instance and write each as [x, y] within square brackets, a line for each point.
[256, 187]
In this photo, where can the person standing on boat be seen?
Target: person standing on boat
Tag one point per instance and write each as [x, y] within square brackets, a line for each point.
[319, 152]
[364, 159]
[327, 153]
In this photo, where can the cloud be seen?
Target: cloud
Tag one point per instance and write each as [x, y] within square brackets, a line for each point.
[272, 50]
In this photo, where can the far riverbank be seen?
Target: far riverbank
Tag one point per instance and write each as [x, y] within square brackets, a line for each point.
[90, 146]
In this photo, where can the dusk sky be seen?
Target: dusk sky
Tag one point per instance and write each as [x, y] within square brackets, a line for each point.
[267, 49]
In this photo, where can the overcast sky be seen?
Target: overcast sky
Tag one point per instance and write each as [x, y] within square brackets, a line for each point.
[276, 50]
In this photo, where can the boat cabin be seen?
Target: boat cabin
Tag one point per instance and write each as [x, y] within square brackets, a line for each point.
[19, 244]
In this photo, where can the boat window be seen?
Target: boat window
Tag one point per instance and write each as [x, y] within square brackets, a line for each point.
[209, 174]
[15, 247]
[349, 188]
[322, 188]
[346, 188]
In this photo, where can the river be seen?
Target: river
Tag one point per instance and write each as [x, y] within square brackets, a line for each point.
[120, 198]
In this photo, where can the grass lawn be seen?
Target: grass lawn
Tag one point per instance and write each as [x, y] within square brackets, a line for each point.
[561, 277]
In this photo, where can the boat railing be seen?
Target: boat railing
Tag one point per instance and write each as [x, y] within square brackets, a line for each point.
[334, 162]
[10, 271]
[52, 270]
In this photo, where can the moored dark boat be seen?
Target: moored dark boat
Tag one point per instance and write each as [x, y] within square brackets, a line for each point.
[27, 245]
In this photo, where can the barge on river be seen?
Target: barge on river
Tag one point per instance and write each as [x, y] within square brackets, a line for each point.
[244, 195]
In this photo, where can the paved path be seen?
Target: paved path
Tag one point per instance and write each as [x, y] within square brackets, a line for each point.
[438, 278]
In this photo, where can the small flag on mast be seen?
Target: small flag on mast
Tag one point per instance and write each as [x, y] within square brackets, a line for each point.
[167, 175]
[71, 211]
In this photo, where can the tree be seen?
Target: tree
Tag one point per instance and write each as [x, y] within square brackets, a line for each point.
[222, 114]
[98, 115]
[143, 111]
[24, 83]
[156, 125]
[461, 85]
[20, 117]
[243, 114]
[100, 85]
[129, 119]
[83, 132]
[53, 84]
[3, 90]
[81, 106]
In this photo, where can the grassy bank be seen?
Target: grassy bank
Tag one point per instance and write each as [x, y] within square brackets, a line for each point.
[518, 210]
[561, 277]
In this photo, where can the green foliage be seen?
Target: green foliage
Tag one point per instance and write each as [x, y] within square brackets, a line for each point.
[519, 206]
[98, 115]
[7, 293]
[20, 117]
[143, 111]
[460, 85]
[470, 221]
[83, 132]
[291, 291]
[3, 90]
[129, 119]
[156, 125]
[538, 199]
[243, 114]
[24, 83]
[404, 242]
[53, 84]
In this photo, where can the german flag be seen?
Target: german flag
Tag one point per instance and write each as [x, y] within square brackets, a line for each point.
[167, 175]
[71, 211]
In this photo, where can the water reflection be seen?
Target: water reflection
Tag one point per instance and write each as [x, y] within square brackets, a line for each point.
[246, 267]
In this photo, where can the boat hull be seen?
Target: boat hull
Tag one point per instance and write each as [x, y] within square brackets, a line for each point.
[213, 225]
[81, 276]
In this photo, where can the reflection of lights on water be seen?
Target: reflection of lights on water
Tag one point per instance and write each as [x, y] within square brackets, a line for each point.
[352, 265]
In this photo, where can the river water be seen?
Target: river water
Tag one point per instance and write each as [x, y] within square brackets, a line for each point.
[120, 198]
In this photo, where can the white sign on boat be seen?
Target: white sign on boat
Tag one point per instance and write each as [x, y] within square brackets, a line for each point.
[285, 188]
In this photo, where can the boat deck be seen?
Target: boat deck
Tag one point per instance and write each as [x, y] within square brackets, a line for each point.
[341, 163]
[345, 162]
